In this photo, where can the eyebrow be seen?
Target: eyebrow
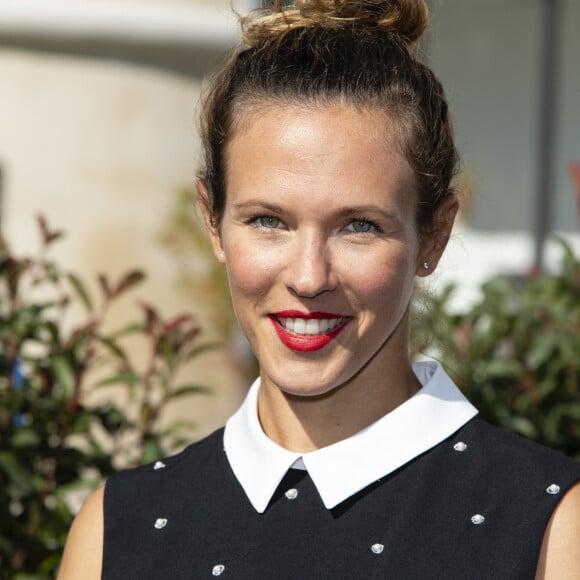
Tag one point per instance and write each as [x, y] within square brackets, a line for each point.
[365, 209]
[254, 203]
[342, 213]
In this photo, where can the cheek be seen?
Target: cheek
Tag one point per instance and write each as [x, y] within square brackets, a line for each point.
[386, 284]
[250, 273]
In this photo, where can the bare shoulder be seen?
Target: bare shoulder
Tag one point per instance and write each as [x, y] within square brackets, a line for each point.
[560, 553]
[83, 552]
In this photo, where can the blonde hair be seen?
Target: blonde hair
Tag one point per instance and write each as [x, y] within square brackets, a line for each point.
[317, 52]
[407, 19]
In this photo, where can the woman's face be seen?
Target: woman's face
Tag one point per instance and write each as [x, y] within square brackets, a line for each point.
[320, 245]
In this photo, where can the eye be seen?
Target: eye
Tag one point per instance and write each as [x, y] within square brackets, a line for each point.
[268, 222]
[361, 226]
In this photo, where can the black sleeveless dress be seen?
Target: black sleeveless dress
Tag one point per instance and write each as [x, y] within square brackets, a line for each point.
[473, 507]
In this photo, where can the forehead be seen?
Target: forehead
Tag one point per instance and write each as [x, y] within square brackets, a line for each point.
[251, 114]
[331, 145]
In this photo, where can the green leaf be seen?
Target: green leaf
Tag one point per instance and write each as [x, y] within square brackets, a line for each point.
[504, 368]
[114, 348]
[10, 464]
[133, 328]
[80, 290]
[177, 426]
[50, 564]
[24, 576]
[112, 419]
[127, 378]
[53, 332]
[24, 438]
[541, 351]
[64, 374]
[556, 415]
[523, 426]
[197, 350]
[187, 390]
[151, 451]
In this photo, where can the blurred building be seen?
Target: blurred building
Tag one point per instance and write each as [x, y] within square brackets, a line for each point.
[510, 68]
[98, 131]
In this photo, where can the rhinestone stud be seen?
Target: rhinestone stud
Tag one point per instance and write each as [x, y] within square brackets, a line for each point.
[159, 465]
[291, 493]
[553, 489]
[477, 519]
[460, 446]
[377, 548]
[160, 523]
[218, 570]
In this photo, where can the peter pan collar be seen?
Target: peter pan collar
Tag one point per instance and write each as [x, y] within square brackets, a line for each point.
[340, 470]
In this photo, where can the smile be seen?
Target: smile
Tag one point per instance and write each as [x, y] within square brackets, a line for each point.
[310, 326]
[302, 332]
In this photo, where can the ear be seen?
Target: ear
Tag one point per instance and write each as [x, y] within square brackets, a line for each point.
[435, 243]
[211, 225]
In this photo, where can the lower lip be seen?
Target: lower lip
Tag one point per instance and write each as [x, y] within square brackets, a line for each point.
[304, 343]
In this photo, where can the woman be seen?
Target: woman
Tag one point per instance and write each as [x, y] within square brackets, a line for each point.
[326, 192]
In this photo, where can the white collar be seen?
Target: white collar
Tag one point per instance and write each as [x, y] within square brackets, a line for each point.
[340, 470]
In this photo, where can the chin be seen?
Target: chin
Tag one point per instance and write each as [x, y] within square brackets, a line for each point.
[309, 394]
[318, 389]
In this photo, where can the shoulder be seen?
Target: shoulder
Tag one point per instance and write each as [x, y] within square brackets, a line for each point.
[560, 552]
[192, 459]
[125, 491]
[543, 484]
[505, 464]
[172, 477]
[84, 546]
[499, 448]
[525, 491]
[530, 479]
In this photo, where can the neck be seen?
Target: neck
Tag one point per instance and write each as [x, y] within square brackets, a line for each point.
[307, 423]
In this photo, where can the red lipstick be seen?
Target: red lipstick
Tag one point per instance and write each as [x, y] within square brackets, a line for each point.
[304, 342]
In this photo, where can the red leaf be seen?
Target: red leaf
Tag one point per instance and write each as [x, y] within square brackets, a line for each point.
[84, 330]
[151, 318]
[131, 279]
[191, 334]
[171, 325]
[105, 286]
[48, 235]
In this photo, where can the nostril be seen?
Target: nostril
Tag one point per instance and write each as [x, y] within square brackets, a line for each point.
[310, 272]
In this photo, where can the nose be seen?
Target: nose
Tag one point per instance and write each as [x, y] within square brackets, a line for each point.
[309, 270]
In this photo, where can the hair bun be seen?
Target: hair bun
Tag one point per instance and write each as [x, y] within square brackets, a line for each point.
[406, 19]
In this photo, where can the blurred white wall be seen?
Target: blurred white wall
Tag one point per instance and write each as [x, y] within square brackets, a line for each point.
[101, 147]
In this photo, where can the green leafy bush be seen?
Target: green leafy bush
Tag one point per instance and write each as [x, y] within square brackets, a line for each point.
[53, 445]
[516, 352]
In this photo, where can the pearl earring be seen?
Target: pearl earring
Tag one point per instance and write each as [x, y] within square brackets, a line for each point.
[222, 254]
[425, 265]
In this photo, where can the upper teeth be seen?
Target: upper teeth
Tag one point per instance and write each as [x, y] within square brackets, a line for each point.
[310, 326]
